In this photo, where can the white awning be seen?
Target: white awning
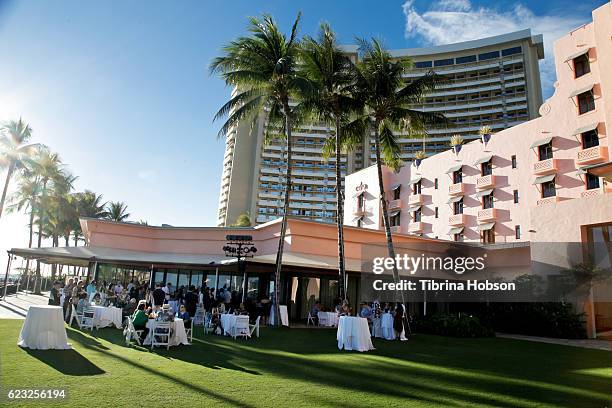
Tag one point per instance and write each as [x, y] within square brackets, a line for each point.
[395, 187]
[483, 159]
[415, 180]
[454, 169]
[544, 179]
[362, 192]
[541, 142]
[576, 54]
[484, 192]
[414, 207]
[581, 90]
[454, 199]
[454, 231]
[394, 213]
[586, 128]
[485, 227]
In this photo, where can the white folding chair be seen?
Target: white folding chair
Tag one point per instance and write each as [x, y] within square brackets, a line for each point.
[310, 319]
[241, 328]
[189, 331]
[160, 335]
[200, 316]
[322, 317]
[87, 321]
[131, 332]
[74, 316]
[254, 327]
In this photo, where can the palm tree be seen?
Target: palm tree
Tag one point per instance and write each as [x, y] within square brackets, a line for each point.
[263, 69]
[47, 168]
[14, 150]
[24, 199]
[388, 97]
[243, 220]
[332, 100]
[88, 205]
[117, 211]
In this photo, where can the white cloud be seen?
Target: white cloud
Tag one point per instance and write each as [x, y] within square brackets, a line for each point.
[451, 21]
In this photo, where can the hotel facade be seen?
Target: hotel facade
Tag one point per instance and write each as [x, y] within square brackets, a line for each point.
[493, 81]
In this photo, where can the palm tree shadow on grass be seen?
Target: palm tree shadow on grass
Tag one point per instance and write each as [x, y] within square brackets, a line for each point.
[67, 362]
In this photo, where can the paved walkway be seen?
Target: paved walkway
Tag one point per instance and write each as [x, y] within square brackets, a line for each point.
[16, 307]
[584, 343]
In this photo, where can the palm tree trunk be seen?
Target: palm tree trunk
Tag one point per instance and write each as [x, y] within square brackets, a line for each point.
[283, 229]
[385, 214]
[41, 216]
[340, 216]
[31, 232]
[9, 174]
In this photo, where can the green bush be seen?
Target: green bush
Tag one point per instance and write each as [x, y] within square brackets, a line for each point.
[461, 325]
[547, 319]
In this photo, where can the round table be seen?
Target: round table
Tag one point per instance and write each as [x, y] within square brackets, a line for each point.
[106, 316]
[354, 334]
[178, 336]
[228, 322]
[328, 319]
[44, 329]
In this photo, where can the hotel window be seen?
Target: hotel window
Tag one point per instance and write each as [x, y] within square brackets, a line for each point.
[592, 181]
[486, 168]
[488, 55]
[581, 65]
[436, 212]
[417, 215]
[511, 51]
[487, 201]
[459, 237]
[488, 236]
[416, 188]
[443, 62]
[590, 139]
[396, 192]
[517, 232]
[457, 176]
[465, 60]
[548, 189]
[360, 222]
[513, 158]
[395, 219]
[436, 183]
[458, 207]
[516, 196]
[545, 151]
[586, 102]
[360, 202]
[422, 64]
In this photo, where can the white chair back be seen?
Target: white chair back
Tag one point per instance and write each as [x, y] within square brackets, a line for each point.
[87, 321]
[161, 334]
[310, 319]
[189, 331]
[241, 328]
[255, 327]
[131, 332]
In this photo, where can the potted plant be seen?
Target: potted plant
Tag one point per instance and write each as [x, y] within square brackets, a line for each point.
[485, 134]
[456, 141]
[418, 158]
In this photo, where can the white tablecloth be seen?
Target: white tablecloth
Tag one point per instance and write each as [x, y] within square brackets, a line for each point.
[105, 316]
[44, 329]
[179, 336]
[386, 325]
[228, 322]
[329, 319]
[376, 327]
[354, 334]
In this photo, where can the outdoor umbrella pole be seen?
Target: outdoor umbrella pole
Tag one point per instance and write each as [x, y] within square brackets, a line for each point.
[8, 268]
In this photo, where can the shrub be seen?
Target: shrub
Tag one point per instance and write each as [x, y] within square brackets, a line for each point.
[461, 325]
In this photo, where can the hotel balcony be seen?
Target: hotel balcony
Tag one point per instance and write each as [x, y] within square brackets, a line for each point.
[415, 199]
[394, 204]
[592, 193]
[359, 210]
[485, 182]
[456, 189]
[456, 220]
[592, 155]
[548, 200]
[486, 215]
[545, 167]
[415, 227]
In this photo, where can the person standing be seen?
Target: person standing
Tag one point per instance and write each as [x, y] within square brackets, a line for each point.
[191, 301]
[159, 295]
[55, 294]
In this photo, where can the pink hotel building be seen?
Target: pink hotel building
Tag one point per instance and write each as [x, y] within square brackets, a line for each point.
[544, 180]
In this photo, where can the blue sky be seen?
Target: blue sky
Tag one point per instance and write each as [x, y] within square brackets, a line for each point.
[120, 89]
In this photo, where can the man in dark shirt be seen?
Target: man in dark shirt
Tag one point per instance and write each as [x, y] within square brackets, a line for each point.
[191, 301]
[55, 294]
[158, 295]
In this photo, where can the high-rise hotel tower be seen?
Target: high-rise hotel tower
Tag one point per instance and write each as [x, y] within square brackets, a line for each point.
[493, 81]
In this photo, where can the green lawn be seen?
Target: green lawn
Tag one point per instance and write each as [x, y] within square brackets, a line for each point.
[301, 367]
